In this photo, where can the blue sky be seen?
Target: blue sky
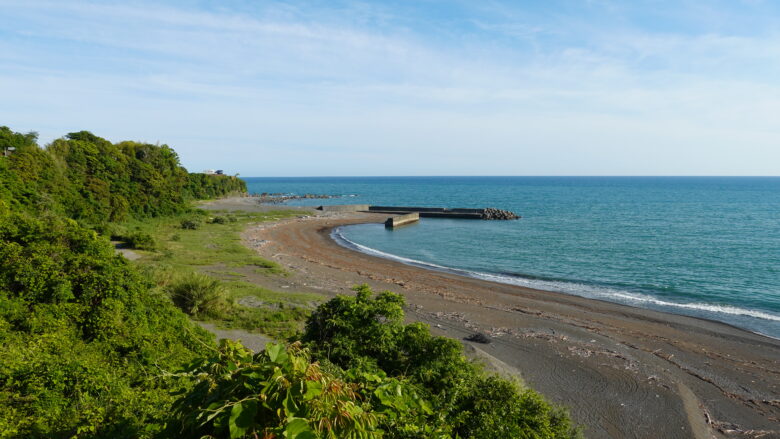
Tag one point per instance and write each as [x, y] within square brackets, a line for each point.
[267, 88]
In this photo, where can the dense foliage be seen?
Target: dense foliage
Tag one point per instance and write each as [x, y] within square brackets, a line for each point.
[82, 335]
[276, 393]
[90, 179]
[367, 334]
[85, 340]
[206, 186]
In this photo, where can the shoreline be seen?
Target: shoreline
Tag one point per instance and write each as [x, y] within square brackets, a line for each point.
[337, 237]
[624, 372]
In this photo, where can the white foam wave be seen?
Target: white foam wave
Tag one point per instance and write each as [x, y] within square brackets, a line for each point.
[622, 296]
[577, 289]
[341, 239]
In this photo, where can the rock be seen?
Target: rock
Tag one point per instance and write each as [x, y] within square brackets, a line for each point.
[266, 198]
[497, 214]
[478, 338]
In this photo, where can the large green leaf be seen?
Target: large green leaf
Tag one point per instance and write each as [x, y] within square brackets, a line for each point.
[298, 428]
[276, 352]
[242, 418]
[290, 406]
[313, 389]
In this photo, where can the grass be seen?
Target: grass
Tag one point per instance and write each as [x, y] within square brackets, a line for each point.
[205, 268]
[198, 295]
[209, 243]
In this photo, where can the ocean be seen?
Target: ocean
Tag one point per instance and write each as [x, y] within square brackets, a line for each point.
[707, 247]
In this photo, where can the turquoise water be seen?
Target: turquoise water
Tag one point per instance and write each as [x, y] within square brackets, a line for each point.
[707, 247]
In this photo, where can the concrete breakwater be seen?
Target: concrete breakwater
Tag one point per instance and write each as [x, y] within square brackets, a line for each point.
[426, 212]
[279, 198]
[442, 212]
[402, 220]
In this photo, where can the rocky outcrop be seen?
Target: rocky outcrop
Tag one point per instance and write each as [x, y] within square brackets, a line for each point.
[498, 214]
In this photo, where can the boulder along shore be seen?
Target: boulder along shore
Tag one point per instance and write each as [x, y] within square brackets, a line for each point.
[623, 372]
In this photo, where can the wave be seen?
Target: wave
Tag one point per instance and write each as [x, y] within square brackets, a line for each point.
[577, 289]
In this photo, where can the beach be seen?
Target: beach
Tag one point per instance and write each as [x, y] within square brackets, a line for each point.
[623, 372]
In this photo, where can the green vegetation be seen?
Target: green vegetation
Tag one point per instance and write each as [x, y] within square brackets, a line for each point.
[199, 295]
[212, 258]
[210, 244]
[139, 241]
[94, 181]
[367, 335]
[276, 393]
[83, 336]
[190, 224]
[86, 341]
[92, 346]
[359, 373]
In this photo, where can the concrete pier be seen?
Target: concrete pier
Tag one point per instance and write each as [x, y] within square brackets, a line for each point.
[402, 220]
[425, 212]
[430, 212]
[345, 208]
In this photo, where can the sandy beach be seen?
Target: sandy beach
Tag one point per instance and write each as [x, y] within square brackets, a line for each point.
[623, 372]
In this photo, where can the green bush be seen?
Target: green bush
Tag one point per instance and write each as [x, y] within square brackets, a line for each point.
[219, 220]
[276, 393]
[363, 331]
[198, 295]
[141, 241]
[365, 334]
[190, 224]
[81, 333]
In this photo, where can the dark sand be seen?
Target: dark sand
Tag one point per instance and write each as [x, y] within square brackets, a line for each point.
[624, 372]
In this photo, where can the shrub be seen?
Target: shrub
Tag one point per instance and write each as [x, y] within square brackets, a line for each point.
[190, 224]
[366, 334]
[198, 295]
[276, 393]
[141, 241]
[359, 331]
[499, 409]
[219, 220]
[80, 334]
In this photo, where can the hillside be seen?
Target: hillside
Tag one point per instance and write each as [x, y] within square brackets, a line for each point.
[91, 180]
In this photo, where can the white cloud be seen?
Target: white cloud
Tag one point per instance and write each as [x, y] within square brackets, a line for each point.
[285, 87]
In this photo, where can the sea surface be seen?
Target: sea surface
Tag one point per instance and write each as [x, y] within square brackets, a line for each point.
[702, 246]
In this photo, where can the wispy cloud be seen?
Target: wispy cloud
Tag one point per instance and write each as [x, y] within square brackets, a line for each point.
[497, 88]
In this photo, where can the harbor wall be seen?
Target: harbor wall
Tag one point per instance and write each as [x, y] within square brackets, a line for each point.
[402, 220]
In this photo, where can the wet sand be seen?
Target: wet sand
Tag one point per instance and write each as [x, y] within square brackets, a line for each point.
[623, 372]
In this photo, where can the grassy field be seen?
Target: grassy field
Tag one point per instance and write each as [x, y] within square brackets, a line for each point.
[200, 261]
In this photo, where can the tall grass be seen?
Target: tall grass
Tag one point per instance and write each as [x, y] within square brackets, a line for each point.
[199, 295]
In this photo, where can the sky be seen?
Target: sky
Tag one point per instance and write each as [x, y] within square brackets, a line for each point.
[416, 87]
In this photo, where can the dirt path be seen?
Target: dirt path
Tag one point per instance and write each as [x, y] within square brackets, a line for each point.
[121, 248]
[251, 340]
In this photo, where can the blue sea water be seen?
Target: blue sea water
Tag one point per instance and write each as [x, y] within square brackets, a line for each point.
[702, 246]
